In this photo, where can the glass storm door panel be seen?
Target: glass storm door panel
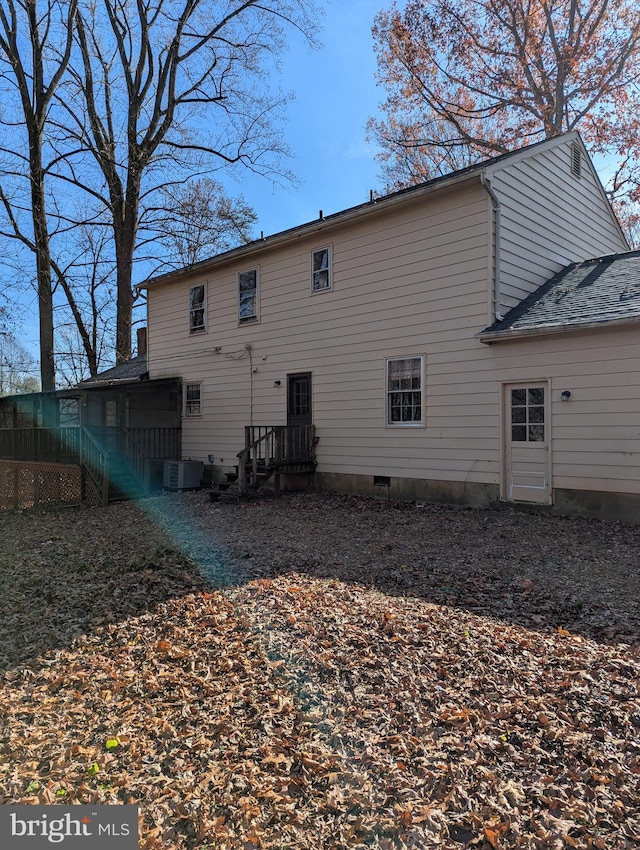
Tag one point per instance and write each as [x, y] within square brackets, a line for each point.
[299, 410]
[526, 473]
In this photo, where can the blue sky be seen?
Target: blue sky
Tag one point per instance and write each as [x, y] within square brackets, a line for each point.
[335, 94]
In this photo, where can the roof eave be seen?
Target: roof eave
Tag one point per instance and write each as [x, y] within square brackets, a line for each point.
[490, 337]
[319, 225]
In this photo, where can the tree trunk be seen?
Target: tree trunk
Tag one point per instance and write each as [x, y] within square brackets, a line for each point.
[43, 264]
[125, 238]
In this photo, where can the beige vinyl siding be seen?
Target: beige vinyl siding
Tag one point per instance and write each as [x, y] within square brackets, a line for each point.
[549, 218]
[413, 280]
[406, 284]
[595, 435]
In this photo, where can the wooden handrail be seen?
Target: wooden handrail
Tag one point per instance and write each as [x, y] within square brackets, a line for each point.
[274, 447]
[95, 462]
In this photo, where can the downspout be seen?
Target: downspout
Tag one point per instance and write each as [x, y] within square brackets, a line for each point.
[497, 289]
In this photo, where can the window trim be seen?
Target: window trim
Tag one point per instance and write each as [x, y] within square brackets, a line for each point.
[203, 328]
[185, 405]
[329, 287]
[246, 320]
[387, 392]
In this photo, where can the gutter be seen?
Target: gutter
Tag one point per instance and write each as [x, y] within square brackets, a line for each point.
[378, 205]
[523, 333]
[497, 286]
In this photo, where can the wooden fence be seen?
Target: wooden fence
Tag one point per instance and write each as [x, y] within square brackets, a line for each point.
[25, 484]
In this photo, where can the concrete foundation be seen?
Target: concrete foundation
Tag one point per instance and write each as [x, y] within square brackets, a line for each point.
[622, 507]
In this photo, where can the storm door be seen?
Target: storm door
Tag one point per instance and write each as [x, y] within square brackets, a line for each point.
[526, 464]
[299, 399]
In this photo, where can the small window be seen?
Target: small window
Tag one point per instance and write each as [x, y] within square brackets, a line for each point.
[6, 414]
[527, 415]
[197, 310]
[576, 161]
[193, 400]
[321, 270]
[404, 391]
[111, 413]
[69, 412]
[248, 296]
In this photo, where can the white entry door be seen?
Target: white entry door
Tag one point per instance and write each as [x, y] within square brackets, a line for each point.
[527, 463]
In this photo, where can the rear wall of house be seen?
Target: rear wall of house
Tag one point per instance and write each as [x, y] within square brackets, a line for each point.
[384, 273]
[595, 433]
[413, 282]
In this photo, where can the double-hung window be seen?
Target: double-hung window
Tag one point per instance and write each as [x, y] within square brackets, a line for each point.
[197, 309]
[321, 270]
[248, 296]
[405, 377]
[193, 399]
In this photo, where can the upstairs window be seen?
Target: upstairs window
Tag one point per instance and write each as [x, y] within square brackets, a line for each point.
[248, 296]
[197, 310]
[193, 400]
[321, 270]
[404, 391]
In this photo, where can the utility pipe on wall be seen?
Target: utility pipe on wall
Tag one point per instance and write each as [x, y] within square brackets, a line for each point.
[497, 288]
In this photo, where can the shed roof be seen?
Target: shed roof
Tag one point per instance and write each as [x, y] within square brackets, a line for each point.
[594, 293]
[132, 370]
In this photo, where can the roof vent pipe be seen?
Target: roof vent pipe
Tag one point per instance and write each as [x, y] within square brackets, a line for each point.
[497, 287]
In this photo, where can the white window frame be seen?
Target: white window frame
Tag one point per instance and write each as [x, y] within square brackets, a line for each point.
[188, 413]
[317, 289]
[255, 317]
[192, 310]
[389, 392]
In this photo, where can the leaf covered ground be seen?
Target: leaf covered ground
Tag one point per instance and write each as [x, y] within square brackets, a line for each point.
[325, 672]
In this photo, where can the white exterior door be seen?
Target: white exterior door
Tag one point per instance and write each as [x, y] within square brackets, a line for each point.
[527, 462]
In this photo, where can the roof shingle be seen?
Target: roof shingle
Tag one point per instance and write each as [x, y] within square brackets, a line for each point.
[596, 292]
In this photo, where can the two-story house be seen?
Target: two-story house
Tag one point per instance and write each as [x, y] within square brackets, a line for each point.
[452, 342]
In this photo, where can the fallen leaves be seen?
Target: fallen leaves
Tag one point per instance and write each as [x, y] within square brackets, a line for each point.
[306, 711]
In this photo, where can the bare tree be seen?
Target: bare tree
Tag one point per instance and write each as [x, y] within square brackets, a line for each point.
[198, 220]
[35, 50]
[87, 282]
[16, 367]
[163, 87]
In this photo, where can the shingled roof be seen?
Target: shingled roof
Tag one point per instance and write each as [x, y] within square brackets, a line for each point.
[132, 370]
[594, 293]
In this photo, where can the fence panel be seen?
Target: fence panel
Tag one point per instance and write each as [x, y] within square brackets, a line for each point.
[31, 484]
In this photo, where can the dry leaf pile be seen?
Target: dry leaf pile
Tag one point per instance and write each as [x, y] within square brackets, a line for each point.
[320, 697]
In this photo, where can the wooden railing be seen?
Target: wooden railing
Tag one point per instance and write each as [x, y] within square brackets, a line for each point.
[92, 449]
[62, 445]
[135, 457]
[158, 443]
[95, 464]
[52, 445]
[274, 448]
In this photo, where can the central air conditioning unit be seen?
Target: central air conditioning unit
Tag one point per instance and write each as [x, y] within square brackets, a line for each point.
[182, 474]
